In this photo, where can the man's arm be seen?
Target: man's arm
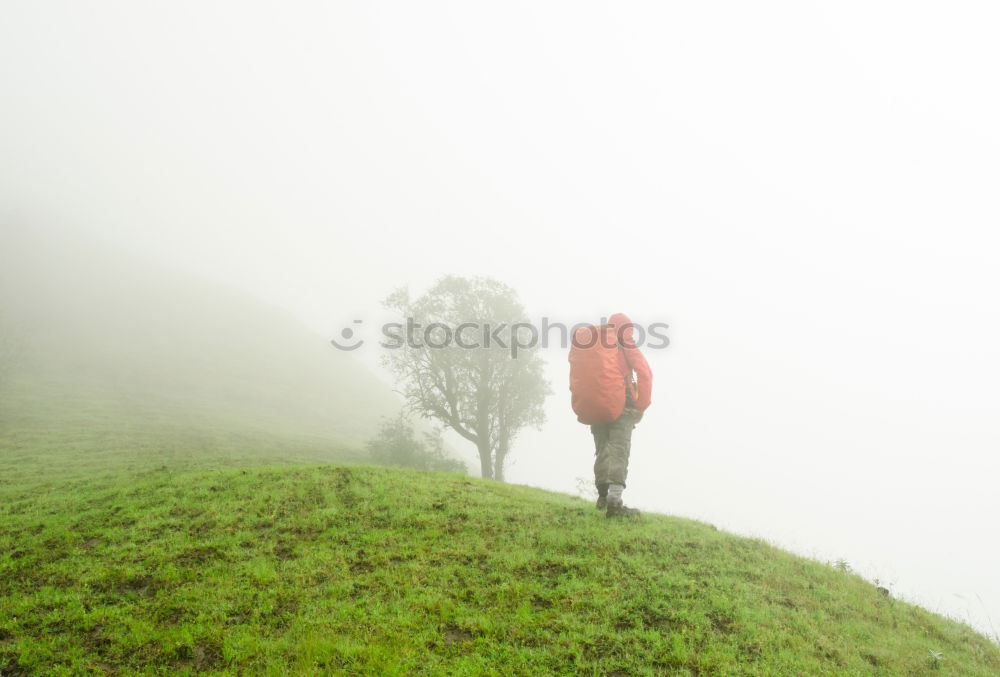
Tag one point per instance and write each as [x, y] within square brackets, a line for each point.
[643, 374]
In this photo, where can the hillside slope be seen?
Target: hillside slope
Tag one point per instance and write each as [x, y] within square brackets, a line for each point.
[354, 570]
[117, 353]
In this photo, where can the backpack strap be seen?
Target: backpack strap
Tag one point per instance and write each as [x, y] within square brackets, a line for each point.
[631, 389]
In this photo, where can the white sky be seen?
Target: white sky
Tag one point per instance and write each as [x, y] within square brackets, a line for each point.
[807, 192]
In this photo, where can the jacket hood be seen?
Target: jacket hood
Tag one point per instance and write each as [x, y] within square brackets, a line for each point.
[622, 325]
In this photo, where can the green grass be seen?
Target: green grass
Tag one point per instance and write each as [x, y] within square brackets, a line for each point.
[358, 570]
[54, 439]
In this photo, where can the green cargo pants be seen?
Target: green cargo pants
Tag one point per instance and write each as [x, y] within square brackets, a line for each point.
[613, 443]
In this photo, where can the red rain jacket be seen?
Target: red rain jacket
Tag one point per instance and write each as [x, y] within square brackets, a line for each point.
[633, 361]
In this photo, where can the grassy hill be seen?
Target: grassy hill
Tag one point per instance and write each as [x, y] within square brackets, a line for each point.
[174, 499]
[357, 570]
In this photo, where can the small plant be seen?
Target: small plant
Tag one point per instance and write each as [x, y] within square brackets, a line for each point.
[936, 658]
[995, 636]
[398, 444]
[842, 565]
[585, 488]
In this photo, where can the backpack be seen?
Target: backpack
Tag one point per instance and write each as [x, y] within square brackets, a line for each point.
[599, 374]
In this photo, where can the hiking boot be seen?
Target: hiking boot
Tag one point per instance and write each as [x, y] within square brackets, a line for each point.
[602, 502]
[621, 510]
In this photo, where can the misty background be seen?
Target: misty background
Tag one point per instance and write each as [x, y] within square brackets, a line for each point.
[806, 193]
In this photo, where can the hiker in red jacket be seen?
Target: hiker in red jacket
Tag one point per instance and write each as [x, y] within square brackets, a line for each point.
[603, 360]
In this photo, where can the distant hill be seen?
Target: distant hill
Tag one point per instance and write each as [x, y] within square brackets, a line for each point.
[106, 347]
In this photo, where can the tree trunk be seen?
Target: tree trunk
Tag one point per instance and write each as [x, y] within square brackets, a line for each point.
[485, 459]
[483, 395]
[503, 445]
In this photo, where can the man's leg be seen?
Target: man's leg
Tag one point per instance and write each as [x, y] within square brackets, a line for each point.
[617, 451]
[600, 433]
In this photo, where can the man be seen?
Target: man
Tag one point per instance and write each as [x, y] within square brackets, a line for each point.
[613, 441]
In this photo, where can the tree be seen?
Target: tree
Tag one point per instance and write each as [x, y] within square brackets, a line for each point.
[398, 444]
[464, 355]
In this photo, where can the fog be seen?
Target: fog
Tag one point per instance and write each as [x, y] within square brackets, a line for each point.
[805, 193]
